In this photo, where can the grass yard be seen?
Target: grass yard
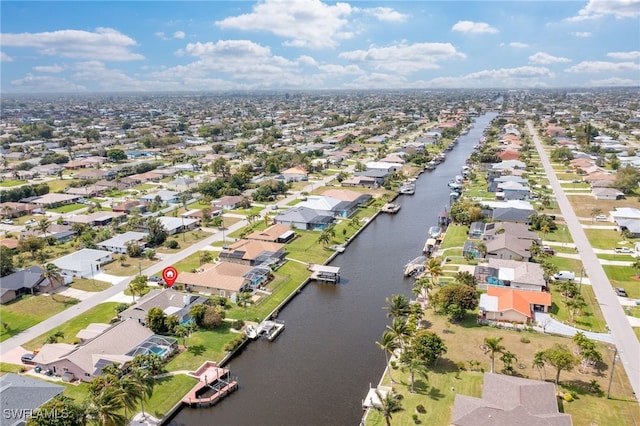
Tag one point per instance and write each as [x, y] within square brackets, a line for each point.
[9, 183]
[625, 277]
[455, 236]
[567, 264]
[607, 238]
[10, 368]
[560, 235]
[144, 186]
[591, 318]
[101, 313]
[87, 284]
[306, 248]
[60, 185]
[583, 204]
[167, 392]
[247, 212]
[189, 263]
[464, 341]
[67, 208]
[203, 345]
[132, 266]
[28, 311]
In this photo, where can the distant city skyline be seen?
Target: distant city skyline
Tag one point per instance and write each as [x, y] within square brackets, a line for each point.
[311, 44]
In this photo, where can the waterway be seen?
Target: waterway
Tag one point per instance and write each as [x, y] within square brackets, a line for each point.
[318, 371]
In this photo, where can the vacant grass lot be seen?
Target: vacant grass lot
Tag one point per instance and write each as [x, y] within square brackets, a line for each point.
[203, 345]
[28, 311]
[625, 277]
[132, 266]
[455, 236]
[584, 204]
[101, 313]
[437, 391]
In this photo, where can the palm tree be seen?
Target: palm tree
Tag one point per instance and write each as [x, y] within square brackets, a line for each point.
[400, 330]
[388, 344]
[482, 249]
[397, 306]
[355, 222]
[389, 404]
[574, 305]
[43, 225]
[324, 238]
[493, 344]
[538, 362]
[244, 299]
[123, 259]
[105, 406]
[52, 274]
[595, 212]
[434, 269]
[145, 382]
[636, 265]
[131, 392]
[507, 359]
[416, 365]
[422, 286]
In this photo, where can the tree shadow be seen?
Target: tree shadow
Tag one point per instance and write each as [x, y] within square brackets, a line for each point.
[197, 350]
[445, 365]
[435, 394]
[420, 386]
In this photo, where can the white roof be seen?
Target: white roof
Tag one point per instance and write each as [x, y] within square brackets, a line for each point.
[488, 303]
[516, 204]
[319, 202]
[79, 260]
[175, 222]
[380, 165]
[506, 274]
[121, 240]
[626, 212]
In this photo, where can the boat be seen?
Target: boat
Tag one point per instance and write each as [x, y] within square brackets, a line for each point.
[407, 188]
[390, 208]
[270, 328]
[435, 232]
[252, 332]
[415, 266]
[430, 246]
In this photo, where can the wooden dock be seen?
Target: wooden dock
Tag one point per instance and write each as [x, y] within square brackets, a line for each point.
[324, 273]
[214, 384]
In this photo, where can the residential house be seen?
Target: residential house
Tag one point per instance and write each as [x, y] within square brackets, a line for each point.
[295, 174]
[510, 273]
[25, 281]
[383, 166]
[253, 252]
[476, 230]
[21, 396]
[360, 181]
[166, 197]
[86, 191]
[119, 344]
[304, 218]
[171, 301]
[607, 194]
[120, 242]
[509, 305]
[195, 214]
[55, 200]
[229, 202]
[508, 165]
[174, 225]
[182, 184]
[275, 233]
[130, 206]
[84, 263]
[322, 204]
[97, 219]
[96, 174]
[354, 199]
[11, 209]
[507, 240]
[512, 191]
[518, 211]
[510, 400]
[60, 233]
[225, 279]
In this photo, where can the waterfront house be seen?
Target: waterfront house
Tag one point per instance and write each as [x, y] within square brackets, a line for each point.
[354, 199]
[510, 273]
[84, 263]
[360, 181]
[253, 252]
[304, 218]
[512, 191]
[383, 166]
[21, 396]
[275, 233]
[25, 281]
[509, 305]
[476, 230]
[322, 204]
[119, 344]
[170, 301]
[119, 243]
[225, 279]
[509, 400]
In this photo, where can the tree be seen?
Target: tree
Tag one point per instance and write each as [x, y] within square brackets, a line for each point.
[137, 286]
[134, 249]
[150, 254]
[466, 278]
[538, 362]
[123, 259]
[157, 231]
[143, 381]
[389, 404]
[494, 346]
[6, 261]
[427, 346]
[53, 338]
[422, 286]
[71, 414]
[414, 366]
[244, 299]
[116, 155]
[589, 354]
[507, 359]
[595, 212]
[155, 320]
[434, 269]
[397, 306]
[31, 244]
[43, 226]
[399, 329]
[627, 179]
[388, 344]
[561, 358]
[52, 275]
[636, 266]
[576, 304]
[454, 300]
[105, 406]
[197, 313]
[324, 238]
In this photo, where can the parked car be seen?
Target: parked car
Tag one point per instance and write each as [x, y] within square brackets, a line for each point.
[7, 221]
[27, 358]
[155, 278]
[623, 250]
[564, 276]
[601, 218]
[30, 222]
[547, 250]
[621, 292]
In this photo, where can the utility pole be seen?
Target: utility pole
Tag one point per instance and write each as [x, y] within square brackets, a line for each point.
[613, 366]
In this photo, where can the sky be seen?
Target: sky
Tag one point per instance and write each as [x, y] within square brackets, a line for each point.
[150, 46]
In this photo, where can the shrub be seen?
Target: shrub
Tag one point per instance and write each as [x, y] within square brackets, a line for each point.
[567, 397]
[237, 324]
[234, 344]
[420, 409]
[461, 366]
[212, 318]
[525, 339]
[172, 244]
[415, 419]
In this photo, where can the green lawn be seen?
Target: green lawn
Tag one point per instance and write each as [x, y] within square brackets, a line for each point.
[189, 263]
[560, 235]
[246, 212]
[306, 248]
[144, 187]
[132, 266]
[28, 311]
[67, 208]
[606, 238]
[455, 237]
[625, 277]
[87, 284]
[101, 313]
[591, 318]
[167, 392]
[9, 183]
[203, 345]
[10, 368]
[567, 264]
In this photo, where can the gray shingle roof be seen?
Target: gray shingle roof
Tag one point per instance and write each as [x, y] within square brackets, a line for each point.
[26, 278]
[20, 394]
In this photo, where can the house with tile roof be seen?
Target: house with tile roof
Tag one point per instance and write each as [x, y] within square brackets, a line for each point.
[253, 252]
[295, 174]
[275, 233]
[510, 305]
[507, 401]
[225, 279]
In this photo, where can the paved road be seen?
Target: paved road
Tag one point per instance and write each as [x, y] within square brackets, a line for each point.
[121, 285]
[621, 331]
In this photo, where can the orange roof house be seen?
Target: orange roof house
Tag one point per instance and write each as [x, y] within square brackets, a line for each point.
[509, 305]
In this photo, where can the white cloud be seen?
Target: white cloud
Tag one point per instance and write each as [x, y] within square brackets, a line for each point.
[307, 60]
[340, 69]
[103, 44]
[582, 34]
[598, 8]
[179, 35]
[377, 81]
[5, 58]
[404, 58]
[629, 56]
[386, 14]
[603, 66]
[49, 68]
[161, 34]
[542, 58]
[39, 84]
[613, 81]
[469, 27]
[304, 23]
[504, 77]
[518, 45]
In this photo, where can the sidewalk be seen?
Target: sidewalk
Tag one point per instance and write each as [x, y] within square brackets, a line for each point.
[551, 325]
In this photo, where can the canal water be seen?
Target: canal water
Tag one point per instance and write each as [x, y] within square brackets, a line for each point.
[318, 371]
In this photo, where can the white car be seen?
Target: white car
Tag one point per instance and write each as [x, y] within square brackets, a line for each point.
[564, 276]
[7, 221]
[627, 250]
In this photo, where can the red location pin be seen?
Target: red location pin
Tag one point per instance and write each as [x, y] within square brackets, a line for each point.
[170, 274]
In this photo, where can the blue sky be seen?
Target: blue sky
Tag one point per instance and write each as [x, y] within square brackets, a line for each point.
[312, 44]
